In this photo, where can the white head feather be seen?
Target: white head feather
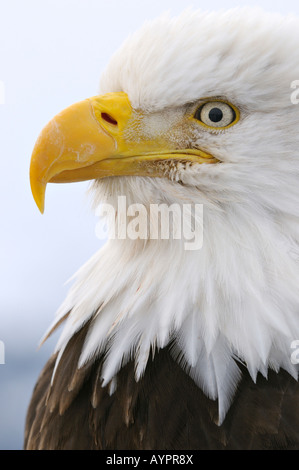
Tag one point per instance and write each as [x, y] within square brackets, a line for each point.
[237, 297]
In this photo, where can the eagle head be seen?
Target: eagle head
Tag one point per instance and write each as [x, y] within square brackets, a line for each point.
[197, 111]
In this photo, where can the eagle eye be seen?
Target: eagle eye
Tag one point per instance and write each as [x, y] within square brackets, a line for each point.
[217, 114]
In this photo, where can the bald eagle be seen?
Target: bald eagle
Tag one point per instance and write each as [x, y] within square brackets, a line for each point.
[164, 347]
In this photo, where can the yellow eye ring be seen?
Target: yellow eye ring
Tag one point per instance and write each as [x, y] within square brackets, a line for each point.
[216, 114]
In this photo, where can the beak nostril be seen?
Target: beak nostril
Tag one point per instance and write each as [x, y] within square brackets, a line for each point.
[106, 117]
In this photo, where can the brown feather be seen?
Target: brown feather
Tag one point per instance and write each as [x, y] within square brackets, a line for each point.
[55, 327]
[163, 410]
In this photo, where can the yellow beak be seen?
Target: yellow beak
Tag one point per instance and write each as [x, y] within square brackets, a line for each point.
[95, 139]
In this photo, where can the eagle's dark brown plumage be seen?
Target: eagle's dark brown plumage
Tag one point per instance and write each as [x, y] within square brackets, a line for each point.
[164, 410]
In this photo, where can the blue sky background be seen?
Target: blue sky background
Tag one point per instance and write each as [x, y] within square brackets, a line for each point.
[52, 53]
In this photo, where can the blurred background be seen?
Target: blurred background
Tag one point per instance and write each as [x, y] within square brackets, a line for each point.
[52, 53]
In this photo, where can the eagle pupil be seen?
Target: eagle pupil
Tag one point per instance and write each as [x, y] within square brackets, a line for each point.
[215, 115]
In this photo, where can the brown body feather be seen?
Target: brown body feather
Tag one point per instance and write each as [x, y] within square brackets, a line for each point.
[164, 410]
